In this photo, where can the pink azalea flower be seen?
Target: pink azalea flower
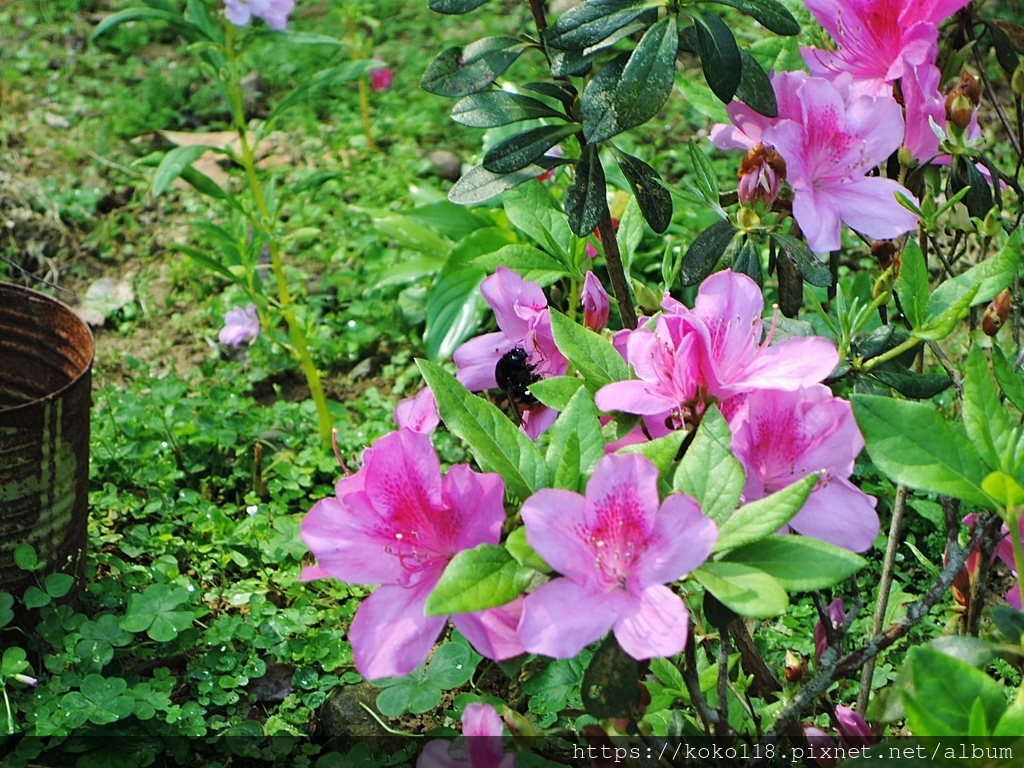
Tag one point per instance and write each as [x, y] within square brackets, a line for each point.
[273, 12]
[482, 732]
[836, 615]
[616, 548]
[418, 413]
[381, 78]
[241, 326]
[780, 437]
[830, 135]
[595, 303]
[875, 38]
[397, 522]
[712, 352]
[521, 310]
[922, 104]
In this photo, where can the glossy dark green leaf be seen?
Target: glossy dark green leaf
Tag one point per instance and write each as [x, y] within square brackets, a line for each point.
[460, 71]
[706, 251]
[755, 88]
[1006, 54]
[517, 152]
[917, 386]
[1011, 381]
[610, 686]
[586, 201]
[654, 200]
[791, 286]
[572, 63]
[964, 174]
[479, 185]
[1009, 621]
[719, 56]
[630, 91]
[590, 22]
[490, 109]
[807, 264]
[748, 262]
[771, 14]
[455, 6]
[560, 91]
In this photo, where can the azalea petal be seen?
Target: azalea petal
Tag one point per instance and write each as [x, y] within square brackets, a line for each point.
[839, 513]
[418, 413]
[791, 363]
[554, 520]
[513, 300]
[390, 636]
[623, 494]
[877, 123]
[680, 541]
[403, 474]
[493, 632]
[347, 546]
[827, 14]
[477, 504]
[869, 205]
[733, 299]
[477, 358]
[931, 11]
[657, 625]
[435, 754]
[483, 729]
[818, 217]
[537, 419]
[561, 618]
[632, 397]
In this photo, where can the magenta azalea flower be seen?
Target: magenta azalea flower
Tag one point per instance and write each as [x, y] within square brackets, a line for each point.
[780, 437]
[830, 135]
[482, 732]
[836, 615]
[875, 38]
[525, 322]
[616, 548]
[714, 351]
[595, 303]
[241, 326]
[418, 413]
[273, 12]
[397, 522]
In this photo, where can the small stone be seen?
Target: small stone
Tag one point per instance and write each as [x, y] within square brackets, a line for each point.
[448, 164]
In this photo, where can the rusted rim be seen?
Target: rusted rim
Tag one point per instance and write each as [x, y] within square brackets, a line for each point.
[12, 295]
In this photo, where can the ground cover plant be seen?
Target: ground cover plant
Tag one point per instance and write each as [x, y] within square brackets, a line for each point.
[680, 424]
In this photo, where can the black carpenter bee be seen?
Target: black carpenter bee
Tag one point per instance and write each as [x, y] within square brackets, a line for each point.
[514, 374]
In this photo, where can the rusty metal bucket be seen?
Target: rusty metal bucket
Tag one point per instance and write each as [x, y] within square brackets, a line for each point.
[45, 379]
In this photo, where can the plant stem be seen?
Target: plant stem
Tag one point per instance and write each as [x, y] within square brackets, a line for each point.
[364, 108]
[891, 354]
[613, 260]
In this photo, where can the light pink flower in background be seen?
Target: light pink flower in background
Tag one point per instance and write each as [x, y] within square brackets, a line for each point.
[596, 305]
[521, 310]
[780, 437]
[273, 12]
[418, 413]
[615, 549]
[875, 38]
[381, 78]
[397, 522]
[836, 615]
[482, 736]
[241, 326]
[712, 352]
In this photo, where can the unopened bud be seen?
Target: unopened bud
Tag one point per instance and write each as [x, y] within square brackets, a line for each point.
[883, 251]
[992, 225]
[761, 175]
[1017, 81]
[996, 313]
[970, 88]
[25, 679]
[959, 109]
[747, 219]
[796, 669]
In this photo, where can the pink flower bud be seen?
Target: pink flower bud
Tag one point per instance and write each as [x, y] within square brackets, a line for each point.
[595, 303]
[836, 614]
[761, 175]
[381, 78]
[26, 679]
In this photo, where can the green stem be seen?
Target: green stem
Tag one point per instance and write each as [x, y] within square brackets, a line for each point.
[893, 353]
[364, 108]
[10, 716]
[264, 222]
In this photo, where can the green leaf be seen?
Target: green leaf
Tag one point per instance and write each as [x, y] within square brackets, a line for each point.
[719, 55]
[942, 691]
[455, 308]
[654, 200]
[747, 591]
[1009, 621]
[804, 260]
[461, 71]
[748, 262]
[203, 184]
[494, 108]
[155, 611]
[524, 554]
[13, 662]
[576, 443]
[26, 559]
[704, 174]
[772, 15]
[709, 472]
[627, 93]
[985, 421]
[58, 584]
[706, 251]
[964, 175]
[552, 688]
[529, 262]
[611, 684]
[476, 579]
[452, 665]
[207, 262]
[1003, 489]
[557, 391]
[589, 23]
[970, 650]
[190, 32]
[912, 284]
[478, 185]
[34, 597]
[173, 164]
[1011, 381]
[1006, 52]
[1012, 721]
[589, 353]
[586, 201]
[759, 519]
[455, 6]
[497, 444]
[916, 386]
[520, 150]
[6, 609]
[661, 451]
[533, 210]
[798, 563]
[755, 88]
[914, 445]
